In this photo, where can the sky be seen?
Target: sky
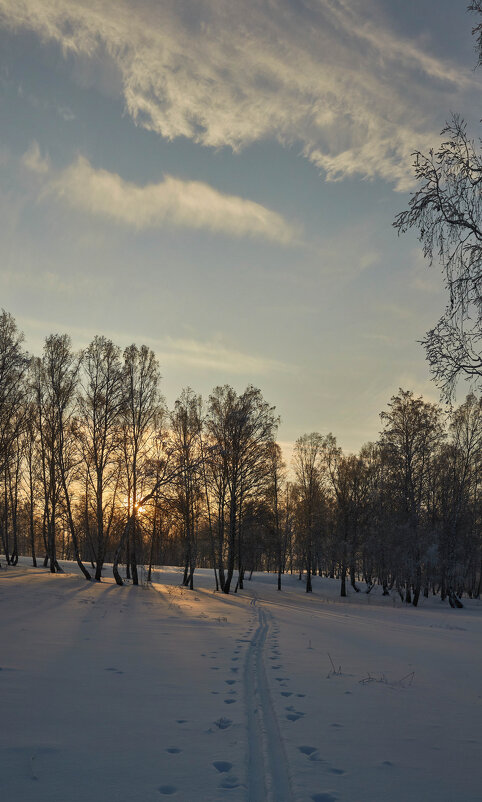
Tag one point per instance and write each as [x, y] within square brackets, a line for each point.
[218, 179]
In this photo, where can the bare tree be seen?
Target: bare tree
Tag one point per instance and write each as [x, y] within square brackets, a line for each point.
[141, 414]
[99, 403]
[186, 423]
[446, 210]
[13, 367]
[308, 467]
[276, 480]
[57, 377]
[413, 431]
[241, 428]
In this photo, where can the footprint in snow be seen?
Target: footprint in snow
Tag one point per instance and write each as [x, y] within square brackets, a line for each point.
[286, 693]
[230, 681]
[336, 725]
[294, 716]
[230, 782]
[307, 750]
[324, 797]
[222, 766]
[181, 721]
[173, 750]
[229, 701]
[331, 770]
[167, 790]
[223, 723]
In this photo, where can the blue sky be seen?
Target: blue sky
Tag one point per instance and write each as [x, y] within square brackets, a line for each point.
[218, 179]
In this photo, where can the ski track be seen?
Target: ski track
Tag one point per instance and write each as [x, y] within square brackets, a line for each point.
[267, 772]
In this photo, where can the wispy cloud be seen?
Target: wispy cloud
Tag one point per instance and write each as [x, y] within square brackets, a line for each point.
[190, 204]
[48, 282]
[328, 76]
[216, 356]
[209, 356]
[33, 160]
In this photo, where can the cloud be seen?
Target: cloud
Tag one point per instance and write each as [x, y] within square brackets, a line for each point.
[33, 160]
[328, 77]
[203, 355]
[216, 356]
[191, 204]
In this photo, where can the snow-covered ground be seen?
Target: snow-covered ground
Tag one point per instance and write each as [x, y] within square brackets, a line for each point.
[146, 694]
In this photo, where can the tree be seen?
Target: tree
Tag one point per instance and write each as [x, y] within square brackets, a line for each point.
[13, 367]
[241, 429]
[57, 376]
[308, 467]
[446, 209]
[412, 432]
[457, 472]
[186, 423]
[99, 435]
[141, 413]
[349, 477]
[277, 477]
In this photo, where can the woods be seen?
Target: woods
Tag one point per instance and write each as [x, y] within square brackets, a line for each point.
[95, 468]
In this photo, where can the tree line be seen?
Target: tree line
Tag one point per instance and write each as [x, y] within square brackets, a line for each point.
[95, 468]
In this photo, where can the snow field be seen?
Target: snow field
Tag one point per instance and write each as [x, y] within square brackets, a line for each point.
[157, 693]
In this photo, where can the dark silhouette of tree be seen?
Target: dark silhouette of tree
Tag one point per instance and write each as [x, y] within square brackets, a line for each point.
[241, 428]
[99, 402]
[141, 413]
[185, 441]
[413, 431]
[446, 210]
[309, 470]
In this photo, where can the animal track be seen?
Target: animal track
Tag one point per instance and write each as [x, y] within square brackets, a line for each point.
[173, 750]
[230, 782]
[167, 790]
[223, 723]
[307, 750]
[222, 766]
[229, 701]
[324, 798]
[293, 715]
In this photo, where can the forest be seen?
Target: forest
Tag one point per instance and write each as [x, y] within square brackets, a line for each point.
[95, 468]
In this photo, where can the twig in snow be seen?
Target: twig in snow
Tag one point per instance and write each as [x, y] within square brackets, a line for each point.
[333, 671]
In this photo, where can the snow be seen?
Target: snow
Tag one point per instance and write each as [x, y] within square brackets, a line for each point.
[159, 692]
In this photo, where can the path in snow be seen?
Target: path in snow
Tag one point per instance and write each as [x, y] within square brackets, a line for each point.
[267, 774]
